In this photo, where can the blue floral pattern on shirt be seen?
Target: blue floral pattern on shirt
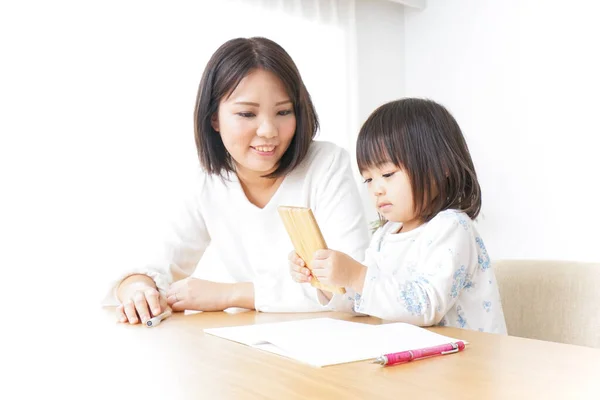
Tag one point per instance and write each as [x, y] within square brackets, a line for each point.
[414, 301]
[459, 280]
[413, 281]
[487, 306]
[483, 259]
[469, 284]
[461, 320]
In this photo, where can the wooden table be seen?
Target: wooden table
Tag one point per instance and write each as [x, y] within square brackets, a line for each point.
[176, 360]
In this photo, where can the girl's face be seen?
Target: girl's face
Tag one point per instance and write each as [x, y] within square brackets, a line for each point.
[392, 194]
[256, 123]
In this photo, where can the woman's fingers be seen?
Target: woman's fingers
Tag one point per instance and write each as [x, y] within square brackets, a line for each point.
[141, 306]
[153, 300]
[178, 306]
[120, 313]
[129, 308]
[172, 299]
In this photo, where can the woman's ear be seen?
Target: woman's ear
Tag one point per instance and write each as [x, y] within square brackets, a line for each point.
[214, 122]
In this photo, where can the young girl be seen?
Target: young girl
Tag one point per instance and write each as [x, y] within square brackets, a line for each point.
[426, 264]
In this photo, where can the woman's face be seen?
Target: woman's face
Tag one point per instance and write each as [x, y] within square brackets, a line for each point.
[256, 123]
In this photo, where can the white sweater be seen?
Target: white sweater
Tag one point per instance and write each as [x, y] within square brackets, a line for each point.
[439, 273]
[251, 243]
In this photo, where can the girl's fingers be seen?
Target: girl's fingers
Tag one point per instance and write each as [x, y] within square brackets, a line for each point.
[321, 254]
[319, 273]
[299, 271]
[292, 256]
[318, 264]
[300, 277]
[295, 259]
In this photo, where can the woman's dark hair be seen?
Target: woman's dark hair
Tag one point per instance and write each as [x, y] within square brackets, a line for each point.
[423, 139]
[233, 61]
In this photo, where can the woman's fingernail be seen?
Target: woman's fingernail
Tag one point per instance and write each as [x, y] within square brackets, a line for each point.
[156, 310]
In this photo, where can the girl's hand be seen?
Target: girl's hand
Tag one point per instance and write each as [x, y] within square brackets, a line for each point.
[298, 270]
[338, 269]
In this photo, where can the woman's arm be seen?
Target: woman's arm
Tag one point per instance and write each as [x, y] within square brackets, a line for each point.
[182, 249]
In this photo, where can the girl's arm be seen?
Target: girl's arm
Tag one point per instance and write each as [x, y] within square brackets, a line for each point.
[428, 289]
[337, 207]
[340, 212]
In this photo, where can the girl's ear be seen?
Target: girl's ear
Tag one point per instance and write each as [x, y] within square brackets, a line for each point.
[214, 122]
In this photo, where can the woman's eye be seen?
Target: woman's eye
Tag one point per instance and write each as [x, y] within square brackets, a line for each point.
[246, 114]
[284, 112]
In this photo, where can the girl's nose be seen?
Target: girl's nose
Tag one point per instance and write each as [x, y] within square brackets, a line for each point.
[378, 188]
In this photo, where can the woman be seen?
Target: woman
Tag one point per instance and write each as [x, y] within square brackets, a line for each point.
[254, 130]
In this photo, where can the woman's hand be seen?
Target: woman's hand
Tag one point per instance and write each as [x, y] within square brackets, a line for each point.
[298, 270]
[201, 295]
[140, 300]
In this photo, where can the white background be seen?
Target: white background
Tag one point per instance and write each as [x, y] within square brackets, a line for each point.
[96, 134]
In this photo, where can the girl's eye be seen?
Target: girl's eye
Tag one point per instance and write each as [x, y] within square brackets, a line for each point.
[368, 180]
[246, 114]
[284, 112]
[388, 175]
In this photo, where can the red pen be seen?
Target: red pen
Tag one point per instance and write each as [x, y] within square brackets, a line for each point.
[406, 356]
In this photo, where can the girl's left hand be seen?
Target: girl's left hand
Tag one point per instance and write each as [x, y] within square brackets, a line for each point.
[298, 270]
[337, 269]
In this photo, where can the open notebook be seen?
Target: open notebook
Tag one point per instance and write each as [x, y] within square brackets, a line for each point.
[325, 341]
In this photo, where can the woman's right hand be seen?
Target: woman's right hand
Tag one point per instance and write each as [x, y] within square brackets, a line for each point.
[298, 270]
[140, 300]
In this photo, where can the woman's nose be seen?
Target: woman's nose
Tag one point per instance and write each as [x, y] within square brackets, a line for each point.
[267, 129]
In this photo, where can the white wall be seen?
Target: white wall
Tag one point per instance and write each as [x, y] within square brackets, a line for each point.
[96, 123]
[380, 54]
[522, 79]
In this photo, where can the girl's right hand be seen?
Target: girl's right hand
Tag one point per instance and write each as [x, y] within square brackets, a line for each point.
[140, 301]
[298, 270]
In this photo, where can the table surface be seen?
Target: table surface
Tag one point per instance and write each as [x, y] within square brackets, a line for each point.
[176, 360]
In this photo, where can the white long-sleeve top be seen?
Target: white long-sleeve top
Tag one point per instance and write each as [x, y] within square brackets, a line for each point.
[251, 243]
[439, 273]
